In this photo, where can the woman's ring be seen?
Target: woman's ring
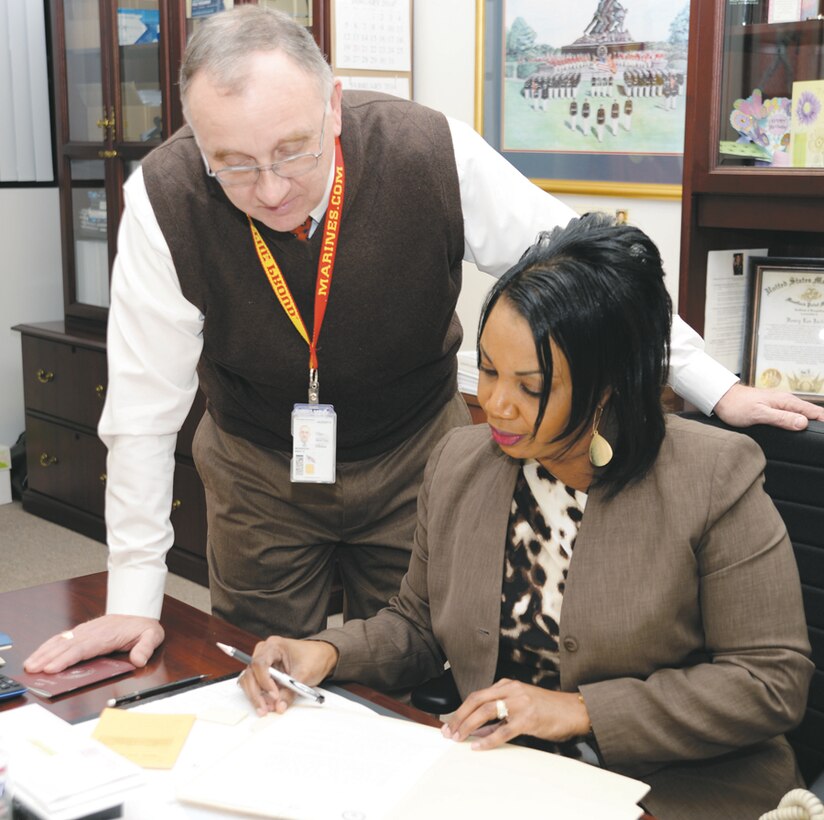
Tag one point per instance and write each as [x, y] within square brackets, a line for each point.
[68, 634]
[500, 707]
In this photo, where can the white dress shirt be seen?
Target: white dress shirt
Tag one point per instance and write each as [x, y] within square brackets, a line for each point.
[155, 337]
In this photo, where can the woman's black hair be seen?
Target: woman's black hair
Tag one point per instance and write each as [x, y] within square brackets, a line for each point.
[596, 288]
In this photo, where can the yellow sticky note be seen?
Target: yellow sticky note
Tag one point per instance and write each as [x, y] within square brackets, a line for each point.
[151, 741]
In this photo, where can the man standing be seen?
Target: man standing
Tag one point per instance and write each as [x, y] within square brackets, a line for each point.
[354, 327]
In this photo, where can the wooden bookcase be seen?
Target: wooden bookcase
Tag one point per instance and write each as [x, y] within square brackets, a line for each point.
[114, 79]
[732, 202]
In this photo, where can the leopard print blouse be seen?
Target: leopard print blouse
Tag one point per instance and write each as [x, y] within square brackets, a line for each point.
[543, 525]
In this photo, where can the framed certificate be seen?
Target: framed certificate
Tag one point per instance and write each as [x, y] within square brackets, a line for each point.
[784, 346]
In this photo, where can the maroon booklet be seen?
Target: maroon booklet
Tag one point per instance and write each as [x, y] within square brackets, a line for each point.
[75, 677]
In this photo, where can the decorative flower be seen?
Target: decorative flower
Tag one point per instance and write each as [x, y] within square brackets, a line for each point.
[815, 140]
[752, 105]
[807, 108]
[741, 122]
[778, 105]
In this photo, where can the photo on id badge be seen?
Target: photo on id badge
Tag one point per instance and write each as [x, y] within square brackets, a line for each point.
[313, 443]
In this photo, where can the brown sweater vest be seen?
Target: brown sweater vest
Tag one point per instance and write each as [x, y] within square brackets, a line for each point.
[387, 346]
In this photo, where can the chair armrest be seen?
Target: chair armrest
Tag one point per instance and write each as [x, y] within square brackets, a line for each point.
[438, 696]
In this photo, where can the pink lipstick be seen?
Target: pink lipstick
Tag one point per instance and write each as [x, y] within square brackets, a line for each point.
[504, 439]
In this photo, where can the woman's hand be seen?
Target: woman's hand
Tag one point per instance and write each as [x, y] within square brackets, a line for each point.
[530, 710]
[307, 661]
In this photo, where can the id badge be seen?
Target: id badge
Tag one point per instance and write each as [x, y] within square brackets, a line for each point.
[314, 439]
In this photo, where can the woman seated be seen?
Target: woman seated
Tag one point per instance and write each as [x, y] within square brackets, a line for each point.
[597, 575]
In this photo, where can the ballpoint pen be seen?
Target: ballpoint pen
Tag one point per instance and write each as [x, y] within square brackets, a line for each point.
[279, 677]
[162, 689]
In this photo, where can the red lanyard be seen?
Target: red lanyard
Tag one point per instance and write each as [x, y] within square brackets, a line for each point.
[326, 264]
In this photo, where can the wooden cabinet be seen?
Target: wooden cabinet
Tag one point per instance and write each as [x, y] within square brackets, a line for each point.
[114, 66]
[64, 382]
[114, 75]
[64, 386]
[733, 202]
[116, 98]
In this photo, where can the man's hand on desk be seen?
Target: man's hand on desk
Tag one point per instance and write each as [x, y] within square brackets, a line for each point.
[742, 406]
[110, 633]
[307, 661]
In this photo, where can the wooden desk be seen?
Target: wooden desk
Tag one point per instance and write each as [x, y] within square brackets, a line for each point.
[34, 614]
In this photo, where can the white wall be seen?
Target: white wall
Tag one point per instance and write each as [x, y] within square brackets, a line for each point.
[31, 286]
[444, 78]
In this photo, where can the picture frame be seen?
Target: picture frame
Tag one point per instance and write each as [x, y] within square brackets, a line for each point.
[784, 346]
[635, 154]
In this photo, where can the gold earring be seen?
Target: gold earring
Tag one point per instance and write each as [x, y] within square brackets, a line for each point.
[600, 452]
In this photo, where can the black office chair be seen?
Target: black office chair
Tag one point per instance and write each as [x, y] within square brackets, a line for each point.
[794, 479]
[438, 696]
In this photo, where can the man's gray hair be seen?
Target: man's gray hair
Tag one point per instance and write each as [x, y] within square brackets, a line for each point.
[223, 43]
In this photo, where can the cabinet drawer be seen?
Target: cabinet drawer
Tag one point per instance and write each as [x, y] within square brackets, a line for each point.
[66, 464]
[189, 510]
[64, 380]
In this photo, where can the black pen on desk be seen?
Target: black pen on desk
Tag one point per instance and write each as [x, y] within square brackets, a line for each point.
[162, 689]
[279, 677]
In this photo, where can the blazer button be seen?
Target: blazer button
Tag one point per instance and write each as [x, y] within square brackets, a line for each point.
[570, 644]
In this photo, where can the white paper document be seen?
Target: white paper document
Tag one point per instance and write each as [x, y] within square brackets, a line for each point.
[513, 781]
[331, 764]
[343, 761]
[58, 773]
[320, 763]
[225, 720]
[725, 306]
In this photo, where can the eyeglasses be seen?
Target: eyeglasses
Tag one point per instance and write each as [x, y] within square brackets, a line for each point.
[289, 168]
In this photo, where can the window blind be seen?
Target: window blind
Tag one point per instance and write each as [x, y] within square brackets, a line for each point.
[25, 121]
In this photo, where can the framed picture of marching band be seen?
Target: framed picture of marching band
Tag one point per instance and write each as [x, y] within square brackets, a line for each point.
[586, 97]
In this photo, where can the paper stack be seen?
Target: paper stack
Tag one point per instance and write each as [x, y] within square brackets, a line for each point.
[468, 372]
[58, 774]
[379, 767]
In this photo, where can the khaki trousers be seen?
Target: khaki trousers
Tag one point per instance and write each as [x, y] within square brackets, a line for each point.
[273, 545]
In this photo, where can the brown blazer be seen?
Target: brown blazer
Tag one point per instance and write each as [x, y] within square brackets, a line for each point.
[682, 623]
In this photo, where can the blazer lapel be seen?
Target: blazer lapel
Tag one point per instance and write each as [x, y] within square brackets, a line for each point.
[483, 561]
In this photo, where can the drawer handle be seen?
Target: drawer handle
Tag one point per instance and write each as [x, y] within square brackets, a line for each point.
[101, 391]
[44, 376]
[176, 504]
[46, 460]
[103, 478]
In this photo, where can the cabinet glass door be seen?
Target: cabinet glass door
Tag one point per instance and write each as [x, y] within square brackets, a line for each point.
[90, 232]
[198, 10]
[87, 118]
[772, 85]
[139, 38]
[299, 10]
